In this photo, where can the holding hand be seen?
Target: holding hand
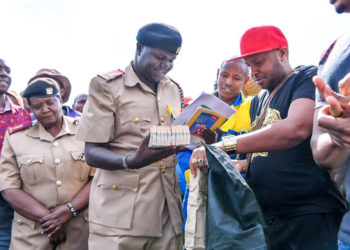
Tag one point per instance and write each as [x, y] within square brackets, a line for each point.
[338, 102]
[209, 136]
[198, 160]
[58, 237]
[54, 221]
[335, 117]
[241, 165]
[145, 155]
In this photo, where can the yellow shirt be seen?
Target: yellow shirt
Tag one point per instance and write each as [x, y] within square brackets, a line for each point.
[241, 119]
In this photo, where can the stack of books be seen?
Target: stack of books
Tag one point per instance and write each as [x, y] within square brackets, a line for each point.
[166, 136]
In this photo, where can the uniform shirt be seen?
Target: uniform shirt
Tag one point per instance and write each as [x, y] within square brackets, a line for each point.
[51, 169]
[120, 112]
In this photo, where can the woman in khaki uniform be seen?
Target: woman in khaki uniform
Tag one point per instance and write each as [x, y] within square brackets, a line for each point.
[44, 176]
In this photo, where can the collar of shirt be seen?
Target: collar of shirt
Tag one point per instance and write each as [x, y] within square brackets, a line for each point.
[238, 101]
[38, 130]
[9, 106]
[131, 80]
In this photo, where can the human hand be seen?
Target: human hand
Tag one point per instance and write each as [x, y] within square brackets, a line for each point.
[54, 221]
[344, 85]
[335, 116]
[58, 237]
[337, 127]
[208, 135]
[198, 160]
[241, 165]
[145, 155]
[339, 103]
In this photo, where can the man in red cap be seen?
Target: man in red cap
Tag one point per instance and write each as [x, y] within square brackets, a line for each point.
[301, 204]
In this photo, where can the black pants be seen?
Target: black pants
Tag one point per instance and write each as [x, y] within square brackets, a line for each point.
[309, 232]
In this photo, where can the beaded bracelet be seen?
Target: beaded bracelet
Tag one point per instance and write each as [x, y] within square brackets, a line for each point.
[124, 159]
[72, 209]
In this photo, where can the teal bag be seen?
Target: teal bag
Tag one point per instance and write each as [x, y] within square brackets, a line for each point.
[234, 219]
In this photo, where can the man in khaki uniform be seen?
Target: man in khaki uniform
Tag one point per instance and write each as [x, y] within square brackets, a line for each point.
[135, 202]
[43, 175]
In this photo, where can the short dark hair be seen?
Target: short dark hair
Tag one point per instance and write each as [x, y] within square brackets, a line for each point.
[239, 61]
[79, 96]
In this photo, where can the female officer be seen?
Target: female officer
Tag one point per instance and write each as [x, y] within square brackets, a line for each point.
[44, 177]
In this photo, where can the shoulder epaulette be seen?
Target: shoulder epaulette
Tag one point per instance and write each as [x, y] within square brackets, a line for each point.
[114, 74]
[181, 93]
[19, 127]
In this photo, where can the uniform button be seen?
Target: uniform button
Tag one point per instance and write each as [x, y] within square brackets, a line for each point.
[158, 99]
[29, 161]
[57, 161]
[19, 221]
[56, 144]
[137, 119]
[58, 183]
[114, 187]
[162, 119]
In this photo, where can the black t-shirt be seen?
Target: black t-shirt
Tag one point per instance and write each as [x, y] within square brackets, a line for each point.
[288, 182]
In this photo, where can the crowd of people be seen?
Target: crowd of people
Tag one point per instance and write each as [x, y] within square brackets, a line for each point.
[83, 177]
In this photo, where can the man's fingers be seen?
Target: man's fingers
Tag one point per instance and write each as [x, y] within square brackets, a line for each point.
[344, 85]
[54, 231]
[327, 122]
[193, 162]
[335, 108]
[319, 83]
[197, 162]
[322, 87]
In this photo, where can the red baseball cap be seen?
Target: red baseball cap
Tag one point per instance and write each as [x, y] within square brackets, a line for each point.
[261, 39]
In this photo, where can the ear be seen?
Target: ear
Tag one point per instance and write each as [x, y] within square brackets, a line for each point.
[60, 100]
[283, 53]
[217, 74]
[139, 48]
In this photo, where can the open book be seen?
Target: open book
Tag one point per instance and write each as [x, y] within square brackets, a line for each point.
[206, 111]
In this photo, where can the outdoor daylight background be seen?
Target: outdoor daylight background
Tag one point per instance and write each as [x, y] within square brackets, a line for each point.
[82, 38]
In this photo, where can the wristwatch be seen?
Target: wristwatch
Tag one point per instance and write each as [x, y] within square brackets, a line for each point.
[230, 144]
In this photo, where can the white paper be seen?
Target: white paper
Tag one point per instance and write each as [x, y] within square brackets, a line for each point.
[208, 100]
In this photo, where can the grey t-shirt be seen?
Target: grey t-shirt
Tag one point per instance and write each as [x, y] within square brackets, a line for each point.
[332, 68]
